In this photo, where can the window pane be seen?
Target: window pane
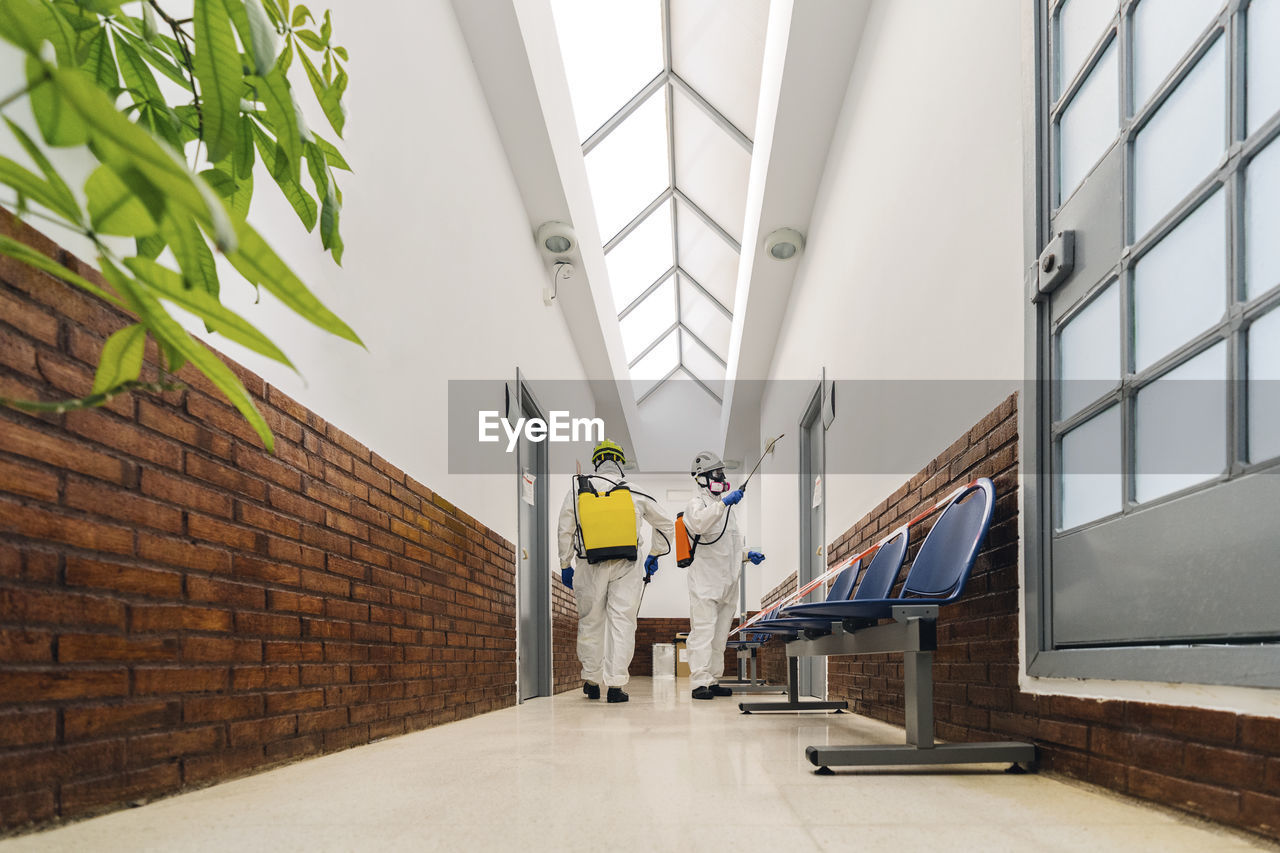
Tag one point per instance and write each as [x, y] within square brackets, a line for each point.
[1262, 222]
[660, 361]
[1080, 26]
[1182, 142]
[1164, 30]
[629, 168]
[639, 260]
[1179, 287]
[1263, 98]
[1089, 124]
[1180, 426]
[650, 318]
[711, 168]
[706, 256]
[1091, 481]
[703, 365]
[1089, 353]
[1264, 388]
[610, 50]
[704, 319]
[718, 48]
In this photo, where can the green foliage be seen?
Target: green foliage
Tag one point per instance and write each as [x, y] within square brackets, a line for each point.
[175, 173]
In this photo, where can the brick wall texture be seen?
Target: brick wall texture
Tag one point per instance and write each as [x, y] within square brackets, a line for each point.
[566, 673]
[1215, 764]
[178, 606]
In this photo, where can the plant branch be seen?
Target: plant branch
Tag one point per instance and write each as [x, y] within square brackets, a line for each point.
[93, 400]
[180, 36]
[53, 220]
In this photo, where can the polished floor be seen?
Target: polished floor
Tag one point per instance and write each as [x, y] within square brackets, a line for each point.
[659, 773]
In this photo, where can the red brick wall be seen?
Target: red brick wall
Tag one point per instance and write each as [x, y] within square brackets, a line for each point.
[566, 672]
[1215, 764]
[178, 606]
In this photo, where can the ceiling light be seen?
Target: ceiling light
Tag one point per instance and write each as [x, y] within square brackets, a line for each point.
[783, 244]
[557, 239]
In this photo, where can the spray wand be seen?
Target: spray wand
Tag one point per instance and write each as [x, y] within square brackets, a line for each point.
[767, 450]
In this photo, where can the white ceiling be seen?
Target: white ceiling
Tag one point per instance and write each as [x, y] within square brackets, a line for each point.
[745, 103]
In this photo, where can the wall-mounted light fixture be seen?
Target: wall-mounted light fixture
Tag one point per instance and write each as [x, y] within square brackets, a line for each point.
[557, 242]
[784, 244]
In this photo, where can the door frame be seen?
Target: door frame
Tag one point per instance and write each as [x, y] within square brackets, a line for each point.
[541, 570]
[811, 414]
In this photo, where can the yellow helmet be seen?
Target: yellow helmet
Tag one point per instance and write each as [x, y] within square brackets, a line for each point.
[606, 450]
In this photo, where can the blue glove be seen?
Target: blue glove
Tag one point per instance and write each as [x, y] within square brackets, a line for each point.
[566, 576]
[732, 498]
[650, 565]
[755, 557]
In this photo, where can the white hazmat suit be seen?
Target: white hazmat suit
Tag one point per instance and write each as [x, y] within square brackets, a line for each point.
[713, 584]
[608, 593]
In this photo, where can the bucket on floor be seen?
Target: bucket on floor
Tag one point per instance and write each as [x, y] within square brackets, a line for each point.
[664, 660]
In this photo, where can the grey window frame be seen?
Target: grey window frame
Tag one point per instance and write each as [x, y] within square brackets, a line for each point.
[1207, 663]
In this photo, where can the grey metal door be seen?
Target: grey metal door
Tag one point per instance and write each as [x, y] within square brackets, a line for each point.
[533, 566]
[1158, 423]
[813, 560]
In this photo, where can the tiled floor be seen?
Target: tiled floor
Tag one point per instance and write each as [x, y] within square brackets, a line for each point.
[659, 773]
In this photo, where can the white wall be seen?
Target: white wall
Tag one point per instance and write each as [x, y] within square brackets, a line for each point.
[441, 276]
[913, 259]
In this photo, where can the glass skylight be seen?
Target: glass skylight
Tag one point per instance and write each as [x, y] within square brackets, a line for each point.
[611, 50]
[664, 94]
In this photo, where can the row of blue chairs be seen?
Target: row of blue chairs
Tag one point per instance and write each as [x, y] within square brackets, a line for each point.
[850, 622]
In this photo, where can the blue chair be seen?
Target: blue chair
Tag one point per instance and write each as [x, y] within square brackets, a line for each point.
[776, 625]
[939, 571]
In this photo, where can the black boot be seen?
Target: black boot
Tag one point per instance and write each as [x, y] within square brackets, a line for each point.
[703, 692]
[591, 691]
[616, 695]
[717, 690]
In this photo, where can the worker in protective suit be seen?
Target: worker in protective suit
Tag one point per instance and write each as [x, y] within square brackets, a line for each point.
[600, 530]
[714, 572]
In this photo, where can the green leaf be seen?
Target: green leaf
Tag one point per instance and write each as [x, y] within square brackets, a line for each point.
[257, 34]
[150, 246]
[149, 28]
[285, 61]
[217, 68]
[330, 208]
[310, 39]
[236, 191]
[121, 359]
[199, 270]
[331, 154]
[162, 122]
[282, 113]
[300, 16]
[30, 23]
[100, 62]
[329, 97]
[169, 285]
[137, 76]
[341, 51]
[126, 146]
[258, 263]
[67, 204]
[37, 189]
[303, 204]
[167, 331]
[326, 29]
[60, 125]
[156, 58]
[32, 258]
[114, 208]
[242, 156]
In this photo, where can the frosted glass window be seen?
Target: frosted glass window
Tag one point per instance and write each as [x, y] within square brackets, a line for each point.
[610, 51]
[1264, 387]
[1179, 287]
[1263, 52]
[628, 170]
[1080, 26]
[711, 168]
[1163, 32]
[1091, 479]
[1089, 124]
[655, 366]
[1262, 222]
[653, 316]
[718, 48]
[706, 256]
[1089, 353]
[703, 365]
[1180, 426]
[641, 259]
[704, 319]
[1183, 142]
